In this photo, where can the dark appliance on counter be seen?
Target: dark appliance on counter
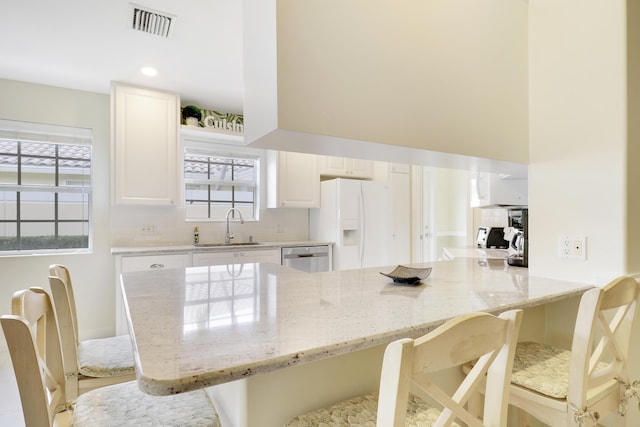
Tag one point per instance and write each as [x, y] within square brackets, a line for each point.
[519, 237]
[491, 237]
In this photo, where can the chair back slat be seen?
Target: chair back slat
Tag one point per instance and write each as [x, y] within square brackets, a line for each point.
[488, 340]
[68, 341]
[62, 272]
[34, 346]
[600, 348]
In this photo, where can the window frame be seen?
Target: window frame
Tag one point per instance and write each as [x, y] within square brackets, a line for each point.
[202, 146]
[38, 133]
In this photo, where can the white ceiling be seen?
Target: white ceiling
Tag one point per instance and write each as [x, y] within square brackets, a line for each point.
[86, 44]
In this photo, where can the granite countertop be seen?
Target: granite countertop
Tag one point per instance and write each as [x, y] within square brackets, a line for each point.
[168, 248]
[202, 326]
[473, 252]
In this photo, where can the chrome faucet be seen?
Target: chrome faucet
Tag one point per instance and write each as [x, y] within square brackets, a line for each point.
[228, 237]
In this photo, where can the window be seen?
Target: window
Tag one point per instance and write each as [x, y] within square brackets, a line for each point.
[45, 187]
[216, 182]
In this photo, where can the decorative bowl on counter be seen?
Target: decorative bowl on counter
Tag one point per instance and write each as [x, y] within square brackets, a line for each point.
[408, 275]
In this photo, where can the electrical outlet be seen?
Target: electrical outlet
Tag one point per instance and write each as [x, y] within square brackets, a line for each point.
[564, 247]
[573, 247]
[149, 230]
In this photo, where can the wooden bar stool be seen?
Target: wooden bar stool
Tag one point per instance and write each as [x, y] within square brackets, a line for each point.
[578, 387]
[89, 363]
[408, 362]
[34, 345]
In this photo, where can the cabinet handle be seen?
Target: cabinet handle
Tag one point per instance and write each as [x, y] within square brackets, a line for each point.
[156, 266]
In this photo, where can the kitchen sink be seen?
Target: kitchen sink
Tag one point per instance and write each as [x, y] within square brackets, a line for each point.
[209, 245]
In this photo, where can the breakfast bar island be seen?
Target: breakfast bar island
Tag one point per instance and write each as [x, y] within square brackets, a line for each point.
[271, 342]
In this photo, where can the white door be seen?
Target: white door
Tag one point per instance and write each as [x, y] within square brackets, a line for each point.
[401, 215]
[422, 239]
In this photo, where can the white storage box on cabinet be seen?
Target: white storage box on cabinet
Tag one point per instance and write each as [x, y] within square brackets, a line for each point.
[126, 264]
[293, 180]
[489, 189]
[144, 145]
[236, 257]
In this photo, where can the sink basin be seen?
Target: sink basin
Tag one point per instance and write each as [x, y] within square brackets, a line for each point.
[209, 245]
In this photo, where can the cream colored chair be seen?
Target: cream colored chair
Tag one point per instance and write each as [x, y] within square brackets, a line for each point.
[34, 345]
[581, 386]
[409, 362]
[89, 363]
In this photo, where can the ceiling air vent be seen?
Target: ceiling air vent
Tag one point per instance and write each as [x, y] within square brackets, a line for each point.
[152, 22]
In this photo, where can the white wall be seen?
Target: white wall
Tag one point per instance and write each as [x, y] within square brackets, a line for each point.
[582, 141]
[92, 273]
[577, 177]
[274, 225]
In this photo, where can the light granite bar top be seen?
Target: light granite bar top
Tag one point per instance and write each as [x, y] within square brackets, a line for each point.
[202, 326]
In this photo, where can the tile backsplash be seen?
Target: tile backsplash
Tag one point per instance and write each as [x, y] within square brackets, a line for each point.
[494, 217]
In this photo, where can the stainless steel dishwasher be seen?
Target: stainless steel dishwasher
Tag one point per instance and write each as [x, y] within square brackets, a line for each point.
[307, 258]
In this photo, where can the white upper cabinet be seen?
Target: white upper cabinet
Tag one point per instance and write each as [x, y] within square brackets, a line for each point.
[293, 180]
[346, 167]
[144, 145]
[489, 189]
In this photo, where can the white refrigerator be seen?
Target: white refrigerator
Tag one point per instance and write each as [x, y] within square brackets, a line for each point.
[357, 215]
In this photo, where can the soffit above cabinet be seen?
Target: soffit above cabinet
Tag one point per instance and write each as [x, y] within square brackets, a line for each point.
[442, 76]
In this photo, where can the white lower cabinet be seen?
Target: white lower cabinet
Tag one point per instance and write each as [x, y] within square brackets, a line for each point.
[126, 264]
[236, 257]
[154, 262]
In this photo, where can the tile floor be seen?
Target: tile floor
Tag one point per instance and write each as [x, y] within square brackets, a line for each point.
[10, 407]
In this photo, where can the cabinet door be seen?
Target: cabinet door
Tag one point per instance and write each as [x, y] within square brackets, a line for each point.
[237, 257]
[333, 166]
[145, 142]
[346, 167]
[295, 180]
[214, 258]
[361, 168]
[488, 189]
[126, 264]
[262, 255]
[154, 262]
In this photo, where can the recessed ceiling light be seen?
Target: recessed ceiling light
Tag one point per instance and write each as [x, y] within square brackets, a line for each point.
[149, 71]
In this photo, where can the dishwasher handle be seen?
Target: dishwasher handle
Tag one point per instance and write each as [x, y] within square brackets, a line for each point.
[296, 251]
[305, 255]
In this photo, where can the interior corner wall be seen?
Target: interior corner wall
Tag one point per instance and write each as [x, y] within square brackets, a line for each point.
[633, 137]
[577, 141]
